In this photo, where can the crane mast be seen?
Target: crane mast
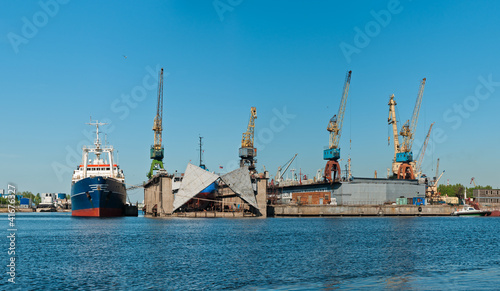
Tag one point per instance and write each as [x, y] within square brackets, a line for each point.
[247, 151]
[332, 154]
[157, 150]
[392, 121]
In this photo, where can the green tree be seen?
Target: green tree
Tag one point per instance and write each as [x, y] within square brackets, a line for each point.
[456, 190]
[37, 199]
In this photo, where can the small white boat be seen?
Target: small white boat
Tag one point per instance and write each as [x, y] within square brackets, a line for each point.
[468, 210]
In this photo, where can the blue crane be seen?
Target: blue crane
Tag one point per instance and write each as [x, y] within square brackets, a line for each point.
[332, 154]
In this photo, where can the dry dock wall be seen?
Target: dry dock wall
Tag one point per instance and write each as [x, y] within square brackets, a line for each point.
[369, 210]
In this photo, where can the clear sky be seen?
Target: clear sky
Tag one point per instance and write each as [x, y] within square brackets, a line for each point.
[62, 62]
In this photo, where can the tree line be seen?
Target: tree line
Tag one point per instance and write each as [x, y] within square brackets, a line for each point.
[457, 190]
[25, 194]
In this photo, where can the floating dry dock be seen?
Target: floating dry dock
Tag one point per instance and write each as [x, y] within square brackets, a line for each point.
[165, 197]
[357, 191]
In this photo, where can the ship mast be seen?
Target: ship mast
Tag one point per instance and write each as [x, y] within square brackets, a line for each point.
[97, 141]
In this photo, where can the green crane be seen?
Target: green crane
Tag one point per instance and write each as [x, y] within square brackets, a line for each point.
[157, 150]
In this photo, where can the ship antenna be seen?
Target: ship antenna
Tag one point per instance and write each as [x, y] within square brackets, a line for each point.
[97, 141]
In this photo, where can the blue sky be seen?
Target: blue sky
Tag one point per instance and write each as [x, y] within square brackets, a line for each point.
[222, 57]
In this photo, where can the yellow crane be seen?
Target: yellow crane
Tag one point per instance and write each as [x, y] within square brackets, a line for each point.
[247, 151]
[157, 150]
[403, 164]
[332, 154]
[431, 191]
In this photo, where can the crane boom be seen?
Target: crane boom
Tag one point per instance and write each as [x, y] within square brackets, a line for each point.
[408, 129]
[288, 164]
[158, 122]
[247, 140]
[336, 122]
[437, 168]
[438, 178]
[421, 154]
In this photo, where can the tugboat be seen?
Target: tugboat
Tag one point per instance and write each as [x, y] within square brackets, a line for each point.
[98, 186]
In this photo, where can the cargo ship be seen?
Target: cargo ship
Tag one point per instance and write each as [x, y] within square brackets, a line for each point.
[98, 186]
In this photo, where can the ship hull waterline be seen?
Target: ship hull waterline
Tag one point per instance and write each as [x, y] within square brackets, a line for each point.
[98, 197]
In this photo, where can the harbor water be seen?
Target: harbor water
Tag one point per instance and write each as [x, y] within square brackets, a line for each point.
[57, 251]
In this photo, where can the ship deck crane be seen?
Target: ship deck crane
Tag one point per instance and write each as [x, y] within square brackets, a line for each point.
[157, 150]
[421, 154]
[332, 154]
[247, 152]
[403, 163]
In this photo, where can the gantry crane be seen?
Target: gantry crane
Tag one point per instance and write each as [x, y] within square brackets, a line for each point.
[157, 150]
[247, 151]
[332, 154]
[421, 154]
[403, 163]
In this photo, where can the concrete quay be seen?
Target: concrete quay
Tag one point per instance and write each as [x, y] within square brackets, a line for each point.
[368, 210]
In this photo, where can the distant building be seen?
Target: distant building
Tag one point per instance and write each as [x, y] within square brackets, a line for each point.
[2, 192]
[487, 195]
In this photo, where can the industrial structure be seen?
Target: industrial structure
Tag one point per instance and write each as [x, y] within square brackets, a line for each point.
[237, 194]
[432, 192]
[421, 154]
[403, 164]
[282, 170]
[247, 151]
[200, 193]
[332, 154]
[157, 150]
[244, 192]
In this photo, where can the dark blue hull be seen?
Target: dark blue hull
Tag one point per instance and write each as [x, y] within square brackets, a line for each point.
[98, 197]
